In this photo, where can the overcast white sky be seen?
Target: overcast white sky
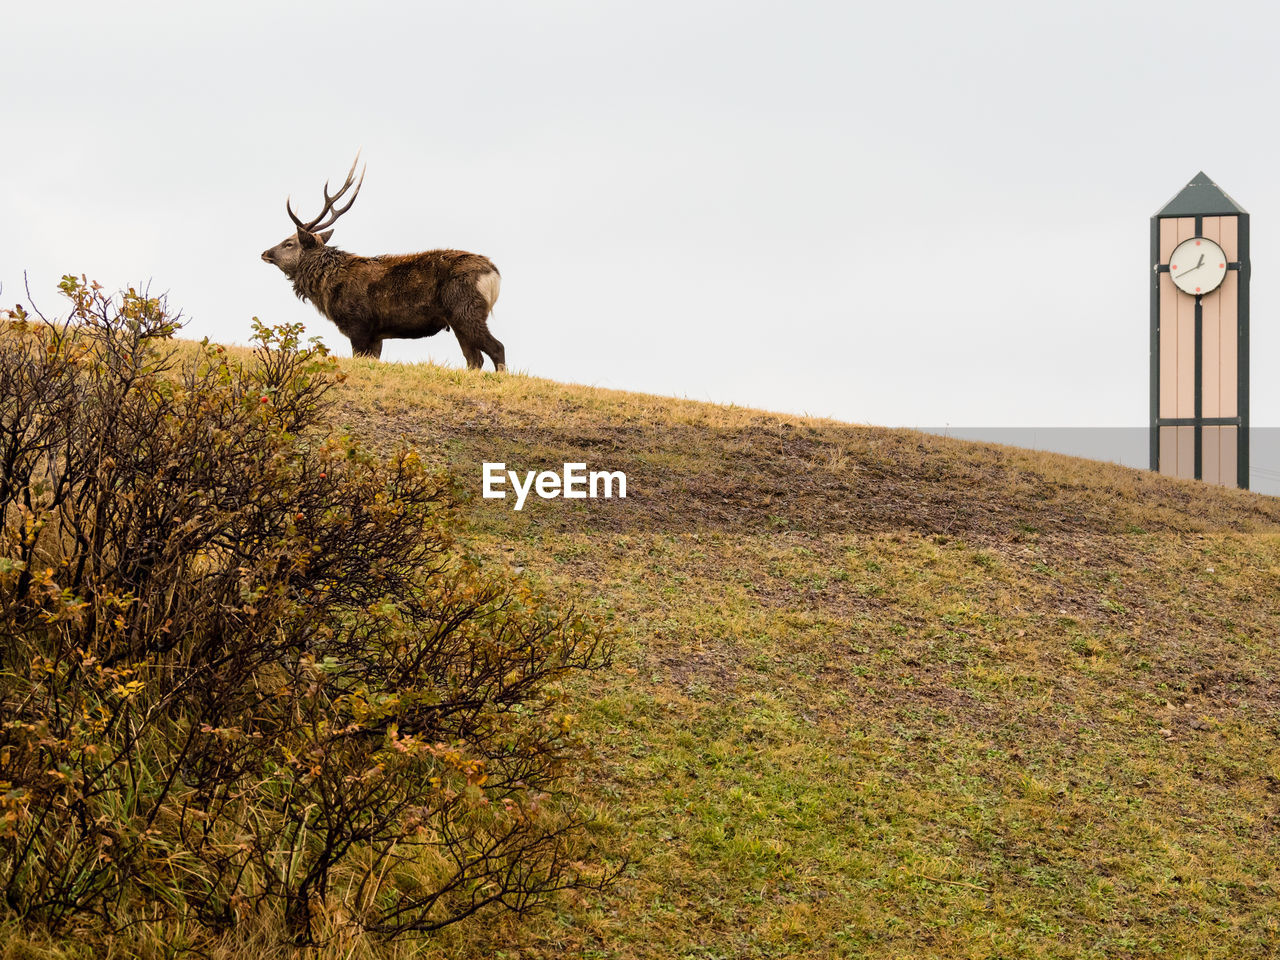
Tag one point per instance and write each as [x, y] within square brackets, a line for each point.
[895, 213]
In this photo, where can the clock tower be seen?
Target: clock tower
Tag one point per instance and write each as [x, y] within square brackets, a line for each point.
[1200, 336]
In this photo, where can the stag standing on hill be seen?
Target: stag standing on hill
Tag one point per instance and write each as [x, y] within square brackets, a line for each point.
[372, 299]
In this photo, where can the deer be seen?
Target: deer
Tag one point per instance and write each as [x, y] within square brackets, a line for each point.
[371, 299]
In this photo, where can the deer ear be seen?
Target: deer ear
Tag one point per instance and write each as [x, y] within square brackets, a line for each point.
[324, 237]
[306, 240]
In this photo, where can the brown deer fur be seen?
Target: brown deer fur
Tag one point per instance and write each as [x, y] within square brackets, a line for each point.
[371, 299]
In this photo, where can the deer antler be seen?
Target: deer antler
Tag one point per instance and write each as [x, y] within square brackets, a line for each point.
[332, 212]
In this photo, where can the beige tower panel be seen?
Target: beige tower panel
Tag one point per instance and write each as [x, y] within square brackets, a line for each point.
[1186, 451]
[1228, 304]
[1177, 329]
[1229, 236]
[1168, 330]
[1168, 450]
[1186, 370]
[1227, 452]
[1210, 455]
[1210, 324]
[1186, 403]
[1211, 350]
[1168, 346]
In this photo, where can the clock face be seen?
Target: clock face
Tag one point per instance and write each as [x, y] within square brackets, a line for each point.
[1197, 265]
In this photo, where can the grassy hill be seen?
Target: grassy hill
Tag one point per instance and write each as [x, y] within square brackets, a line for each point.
[875, 693]
[885, 694]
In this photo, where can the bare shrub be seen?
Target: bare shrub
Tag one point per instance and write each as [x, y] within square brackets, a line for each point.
[245, 665]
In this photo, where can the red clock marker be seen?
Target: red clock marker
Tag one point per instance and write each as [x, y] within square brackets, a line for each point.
[1197, 243]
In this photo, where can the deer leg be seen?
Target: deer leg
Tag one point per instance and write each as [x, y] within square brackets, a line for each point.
[493, 347]
[366, 347]
[475, 359]
[473, 335]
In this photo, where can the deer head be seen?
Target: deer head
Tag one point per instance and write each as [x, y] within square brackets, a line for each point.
[313, 233]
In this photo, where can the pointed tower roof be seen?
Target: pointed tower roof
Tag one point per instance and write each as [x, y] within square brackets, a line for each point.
[1201, 197]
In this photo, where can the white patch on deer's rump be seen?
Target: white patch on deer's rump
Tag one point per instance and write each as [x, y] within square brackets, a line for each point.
[488, 287]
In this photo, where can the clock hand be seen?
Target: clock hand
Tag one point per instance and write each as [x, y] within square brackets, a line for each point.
[1189, 269]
